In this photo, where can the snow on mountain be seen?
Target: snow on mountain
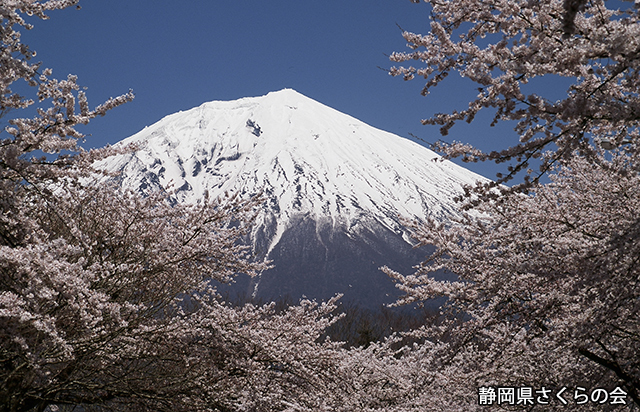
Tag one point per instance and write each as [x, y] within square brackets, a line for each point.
[313, 163]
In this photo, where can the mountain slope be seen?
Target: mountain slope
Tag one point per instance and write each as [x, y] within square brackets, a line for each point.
[335, 187]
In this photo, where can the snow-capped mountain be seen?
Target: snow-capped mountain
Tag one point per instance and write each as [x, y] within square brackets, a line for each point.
[335, 187]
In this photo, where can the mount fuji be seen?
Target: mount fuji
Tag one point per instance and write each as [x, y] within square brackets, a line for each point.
[335, 188]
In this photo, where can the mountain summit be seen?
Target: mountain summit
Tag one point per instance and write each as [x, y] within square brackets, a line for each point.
[335, 187]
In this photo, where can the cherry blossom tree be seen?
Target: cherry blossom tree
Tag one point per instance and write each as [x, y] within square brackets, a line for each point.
[509, 49]
[547, 295]
[107, 297]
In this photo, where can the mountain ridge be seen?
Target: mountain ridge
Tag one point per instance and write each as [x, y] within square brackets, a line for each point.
[326, 176]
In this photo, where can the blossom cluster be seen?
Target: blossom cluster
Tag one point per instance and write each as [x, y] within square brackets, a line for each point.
[510, 49]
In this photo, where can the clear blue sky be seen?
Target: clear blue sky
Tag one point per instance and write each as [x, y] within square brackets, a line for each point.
[177, 55]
